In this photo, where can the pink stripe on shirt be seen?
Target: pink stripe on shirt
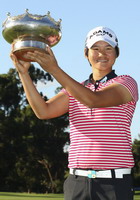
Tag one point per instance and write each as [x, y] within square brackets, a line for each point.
[100, 138]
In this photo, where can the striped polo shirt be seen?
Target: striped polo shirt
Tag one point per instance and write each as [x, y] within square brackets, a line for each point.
[100, 138]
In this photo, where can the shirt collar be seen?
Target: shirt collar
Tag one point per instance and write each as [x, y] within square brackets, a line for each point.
[102, 80]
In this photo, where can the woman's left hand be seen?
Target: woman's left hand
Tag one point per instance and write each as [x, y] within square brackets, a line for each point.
[46, 59]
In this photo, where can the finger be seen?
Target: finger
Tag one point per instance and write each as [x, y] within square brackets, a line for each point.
[37, 56]
[50, 51]
[34, 57]
[12, 47]
[13, 57]
[23, 62]
[31, 54]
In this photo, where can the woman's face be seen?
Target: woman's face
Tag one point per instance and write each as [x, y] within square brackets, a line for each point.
[102, 56]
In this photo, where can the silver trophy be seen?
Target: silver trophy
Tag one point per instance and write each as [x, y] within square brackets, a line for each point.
[28, 32]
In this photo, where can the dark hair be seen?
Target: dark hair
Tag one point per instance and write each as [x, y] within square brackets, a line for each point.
[117, 51]
[86, 51]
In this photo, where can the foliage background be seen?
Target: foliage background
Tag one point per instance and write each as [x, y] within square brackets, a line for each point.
[32, 154]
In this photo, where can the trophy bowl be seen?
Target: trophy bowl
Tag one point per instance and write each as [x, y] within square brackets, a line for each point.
[28, 32]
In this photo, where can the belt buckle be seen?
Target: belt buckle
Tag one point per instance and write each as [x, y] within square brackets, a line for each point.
[91, 174]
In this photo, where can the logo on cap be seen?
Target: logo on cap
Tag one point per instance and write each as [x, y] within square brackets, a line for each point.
[100, 33]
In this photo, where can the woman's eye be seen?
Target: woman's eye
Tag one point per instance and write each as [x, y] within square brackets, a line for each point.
[108, 48]
[95, 48]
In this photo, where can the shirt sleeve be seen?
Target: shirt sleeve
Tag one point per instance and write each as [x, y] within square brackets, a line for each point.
[128, 82]
[64, 91]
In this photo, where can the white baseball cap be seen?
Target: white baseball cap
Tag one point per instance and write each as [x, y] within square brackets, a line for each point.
[101, 33]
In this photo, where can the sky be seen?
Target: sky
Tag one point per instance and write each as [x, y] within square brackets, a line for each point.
[78, 18]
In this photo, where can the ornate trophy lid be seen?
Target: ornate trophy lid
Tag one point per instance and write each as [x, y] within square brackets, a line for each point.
[29, 25]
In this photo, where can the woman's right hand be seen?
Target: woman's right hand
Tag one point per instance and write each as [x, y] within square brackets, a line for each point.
[21, 66]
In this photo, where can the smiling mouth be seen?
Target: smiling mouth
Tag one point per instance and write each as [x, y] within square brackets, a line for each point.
[102, 61]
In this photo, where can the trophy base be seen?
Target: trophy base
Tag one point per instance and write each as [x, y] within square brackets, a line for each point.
[20, 53]
[22, 47]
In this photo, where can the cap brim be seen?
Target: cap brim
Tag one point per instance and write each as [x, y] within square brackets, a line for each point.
[93, 41]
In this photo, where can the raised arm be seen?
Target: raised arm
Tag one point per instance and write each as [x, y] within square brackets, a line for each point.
[56, 106]
[112, 95]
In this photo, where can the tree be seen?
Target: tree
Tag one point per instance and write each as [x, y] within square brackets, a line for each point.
[25, 140]
[136, 170]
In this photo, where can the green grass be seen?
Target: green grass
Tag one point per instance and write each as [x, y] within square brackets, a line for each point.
[137, 195]
[25, 196]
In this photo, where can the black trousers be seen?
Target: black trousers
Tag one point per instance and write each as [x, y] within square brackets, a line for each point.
[84, 188]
